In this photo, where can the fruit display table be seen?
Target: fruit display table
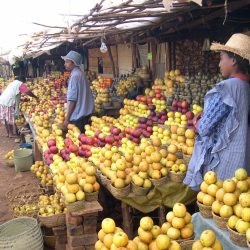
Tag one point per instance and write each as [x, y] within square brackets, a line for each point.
[38, 155]
[201, 224]
[164, 195]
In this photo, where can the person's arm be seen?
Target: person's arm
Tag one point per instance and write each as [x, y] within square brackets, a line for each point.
[25, 90]
[215, 111]
[71, 108]
[71, 99]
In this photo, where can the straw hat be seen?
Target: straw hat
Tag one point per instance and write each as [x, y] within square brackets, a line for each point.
[238, 44]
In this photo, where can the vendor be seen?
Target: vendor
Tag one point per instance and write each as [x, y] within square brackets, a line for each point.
[9, 103]
[80, 101]
[222, 143]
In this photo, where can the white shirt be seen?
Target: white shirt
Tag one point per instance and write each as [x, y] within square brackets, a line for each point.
[8, 96]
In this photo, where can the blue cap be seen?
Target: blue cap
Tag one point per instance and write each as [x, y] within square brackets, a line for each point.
[74, 56]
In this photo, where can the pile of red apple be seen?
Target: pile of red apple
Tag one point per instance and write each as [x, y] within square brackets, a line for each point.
[50, 152]
[113, 139]
[178, 106]
[157, 117]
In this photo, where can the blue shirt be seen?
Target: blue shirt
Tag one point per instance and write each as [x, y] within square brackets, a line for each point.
[214, 115]
[79, 91]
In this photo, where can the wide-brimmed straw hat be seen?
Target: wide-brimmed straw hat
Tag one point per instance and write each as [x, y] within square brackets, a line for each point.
[238, 44]
[74, 56]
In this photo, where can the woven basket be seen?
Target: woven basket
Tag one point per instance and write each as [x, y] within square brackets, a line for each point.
[187, 245]
[237, 238]
[159, 182]
[91, 196]
[220, 222]
[75, 206]
[56, 220]
[139, 190]
[177, 177]
[9, 163]
[120, 192]
[21, 233]
[179, 154]
[206, 211]
[185, 240]
[248, 243]
[186, 159]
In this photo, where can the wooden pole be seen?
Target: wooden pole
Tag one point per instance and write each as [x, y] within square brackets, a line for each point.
[112, 60]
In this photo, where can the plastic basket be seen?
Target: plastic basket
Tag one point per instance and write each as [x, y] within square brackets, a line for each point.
[23, 159]
[21, 234]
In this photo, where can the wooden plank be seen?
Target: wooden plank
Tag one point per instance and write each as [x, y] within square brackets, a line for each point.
[90, 208]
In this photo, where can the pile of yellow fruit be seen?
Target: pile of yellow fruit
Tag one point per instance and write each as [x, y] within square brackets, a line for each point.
[209, 188]
[150, 236]
[178, 225]
[42, 172]
[112, 237]
[50, 205]
[207, 241]
[9, 155]
[25, 209]
[125, 85]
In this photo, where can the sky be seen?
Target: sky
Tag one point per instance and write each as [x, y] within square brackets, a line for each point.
[16, 17]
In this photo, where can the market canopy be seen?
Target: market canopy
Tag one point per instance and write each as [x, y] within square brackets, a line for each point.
[119, 17]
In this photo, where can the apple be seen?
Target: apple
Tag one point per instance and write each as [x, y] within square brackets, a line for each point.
[162, 242]
[189, 115]
[109, 139]
[120, 239]
[146, 223]
[51, 143]
[184, 105]
[207, 238]
[175, 103]
[108, 225]
[242, 226]
[53, 150]
[179, 210]
[68, 142]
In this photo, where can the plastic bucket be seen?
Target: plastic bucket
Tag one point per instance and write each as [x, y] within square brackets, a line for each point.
[25, 145]
[23, 159]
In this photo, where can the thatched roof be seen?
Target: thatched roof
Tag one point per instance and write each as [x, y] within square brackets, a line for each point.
[130, 17]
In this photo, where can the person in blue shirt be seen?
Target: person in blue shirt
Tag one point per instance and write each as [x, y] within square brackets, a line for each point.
[80, 100]
[223, 140]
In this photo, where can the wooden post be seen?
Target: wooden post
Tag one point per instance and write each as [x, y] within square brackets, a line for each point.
[112, 60]
[161, 215]
[154, 54]
[133, 46]
[127, 220]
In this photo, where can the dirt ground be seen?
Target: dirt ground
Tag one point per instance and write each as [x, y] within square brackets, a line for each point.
[8, 178]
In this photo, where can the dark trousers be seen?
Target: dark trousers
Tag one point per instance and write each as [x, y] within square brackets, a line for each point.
[81, 122]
